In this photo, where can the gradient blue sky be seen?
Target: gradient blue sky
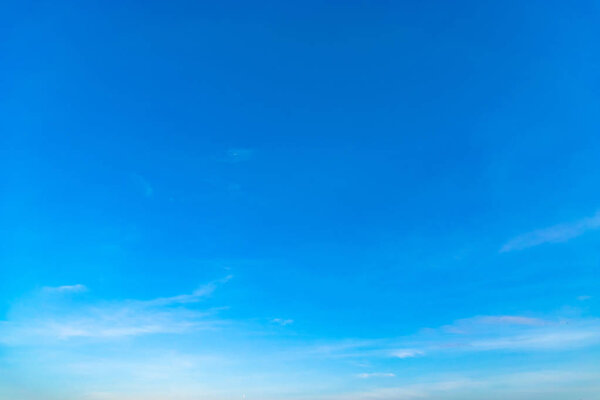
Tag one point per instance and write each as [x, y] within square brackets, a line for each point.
[335, 200]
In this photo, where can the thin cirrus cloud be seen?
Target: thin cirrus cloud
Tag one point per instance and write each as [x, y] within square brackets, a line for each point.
[521, 385]
[367, 375]
[34, 324]
[513, 333]
[552, 340]
[554, 234]
[78, 288]
[512, 319]
[407, 353]
[503, 333]
[282, 322]
[495, 322]
[194, 297]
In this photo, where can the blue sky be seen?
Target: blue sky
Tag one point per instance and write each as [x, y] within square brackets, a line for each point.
[312, 200]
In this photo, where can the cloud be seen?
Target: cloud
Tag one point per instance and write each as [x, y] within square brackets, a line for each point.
[376, 375]
[545, 340]
[492, 322]
[83, 336]
[39, 321]
[514, 333]
[491, 333]
[102, 327]
[282, 322]
[512, 320]
[407, 353]
[104, 321]
[583, 298]
[522, 385]
[66, 289]
[555, 234]
[194, 297]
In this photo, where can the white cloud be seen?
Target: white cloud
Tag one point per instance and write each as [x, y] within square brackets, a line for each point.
[98, 322]
[525, 385]
[376, 375]
[495, 322]
[512, 319]
[583, 298]
[194, 297]
[539, 341]
[282, 322]
[555, 234]
[512, 333]
[66, 289]
[105, 320]
[407, 353]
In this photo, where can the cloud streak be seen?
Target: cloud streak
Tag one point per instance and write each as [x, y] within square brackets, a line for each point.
[282, 322]
[407, 353]
[367, 375]
[526, 385]
[43, 321]
[194, 297]
[554, 234]
[66, 289]
[503, 333]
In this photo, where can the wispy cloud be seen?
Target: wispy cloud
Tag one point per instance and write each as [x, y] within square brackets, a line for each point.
[407, 353]
[194, 297]
[514, 333]
[367, 375]
[66, 289]
[511, 333]
[544, 340]
[105, 320]
[495, 322]
[554, 234]
[526, 385]
[512, 320]
[282, 322]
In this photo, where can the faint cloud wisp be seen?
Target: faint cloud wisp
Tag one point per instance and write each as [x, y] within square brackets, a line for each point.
[32, 323]
[367, 375]
[78, 288]
[282, 322]
[554, 234]
[407, 353]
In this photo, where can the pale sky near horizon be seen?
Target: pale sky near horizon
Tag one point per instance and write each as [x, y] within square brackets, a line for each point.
[344, 200]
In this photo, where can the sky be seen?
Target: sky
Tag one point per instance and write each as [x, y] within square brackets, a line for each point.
[339, 200]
